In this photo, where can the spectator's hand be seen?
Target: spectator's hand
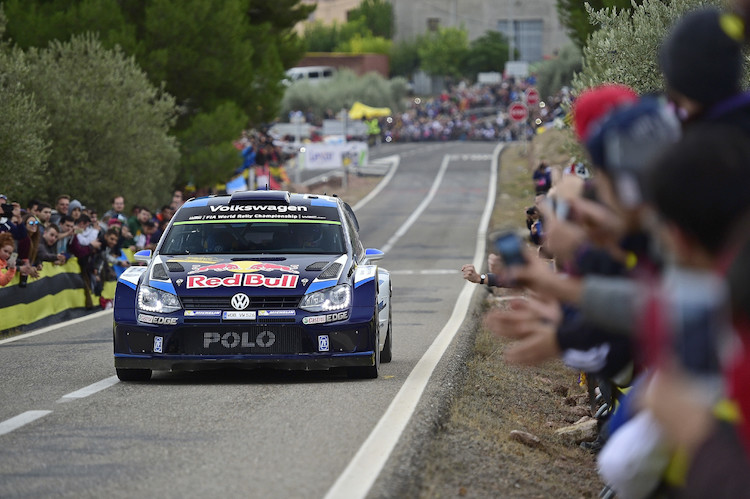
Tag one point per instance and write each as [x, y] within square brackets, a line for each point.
[60, 259]
[96, 244]
[678, 406]
[495, 264]
[125, 232]
[603, 226]
[534, 275]
[561, 238]
[27, 269]
[534, 323]
[470, 273]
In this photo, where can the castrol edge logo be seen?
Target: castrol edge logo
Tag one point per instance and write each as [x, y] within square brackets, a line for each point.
[247, 280]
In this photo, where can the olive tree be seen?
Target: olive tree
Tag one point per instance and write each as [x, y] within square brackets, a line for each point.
[625, 48]
[109, 126]
[24, 147]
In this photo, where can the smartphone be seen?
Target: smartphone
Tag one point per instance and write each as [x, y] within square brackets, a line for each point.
[510, 248]
[12, 259]
[559, 207]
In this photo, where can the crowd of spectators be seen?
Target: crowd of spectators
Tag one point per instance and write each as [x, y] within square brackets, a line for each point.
[477, 113]
[264, 156]
[649, 296]
[39, 233]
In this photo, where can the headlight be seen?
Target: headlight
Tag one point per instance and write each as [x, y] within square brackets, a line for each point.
[336, 298]
[155, 300]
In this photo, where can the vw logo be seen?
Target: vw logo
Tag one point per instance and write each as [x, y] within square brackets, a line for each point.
[240, 301]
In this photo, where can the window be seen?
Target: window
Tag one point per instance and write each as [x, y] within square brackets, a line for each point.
[433, 23]
[528, 37]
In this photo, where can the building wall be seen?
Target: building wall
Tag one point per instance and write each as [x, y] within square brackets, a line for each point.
[329, 11]
[479, 16]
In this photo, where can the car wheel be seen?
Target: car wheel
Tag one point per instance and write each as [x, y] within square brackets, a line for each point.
[386, 355]
[133, 374]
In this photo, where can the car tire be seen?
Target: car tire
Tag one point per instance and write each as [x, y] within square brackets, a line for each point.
[133, 374]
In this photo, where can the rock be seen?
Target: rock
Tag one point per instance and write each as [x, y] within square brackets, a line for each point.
[571, 401]
[560, 390]
[579, 411]
[585, 430]
[525, 438]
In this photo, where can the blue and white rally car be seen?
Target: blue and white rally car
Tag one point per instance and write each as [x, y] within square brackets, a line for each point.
[256, 279]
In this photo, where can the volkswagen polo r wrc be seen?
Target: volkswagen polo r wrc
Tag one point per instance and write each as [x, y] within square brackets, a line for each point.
[255, 279]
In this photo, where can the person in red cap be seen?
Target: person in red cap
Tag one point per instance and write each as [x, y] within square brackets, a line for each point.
[594, 104]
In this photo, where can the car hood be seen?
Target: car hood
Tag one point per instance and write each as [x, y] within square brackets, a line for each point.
[224, 275]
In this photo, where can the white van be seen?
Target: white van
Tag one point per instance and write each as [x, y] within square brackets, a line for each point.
[312, 74]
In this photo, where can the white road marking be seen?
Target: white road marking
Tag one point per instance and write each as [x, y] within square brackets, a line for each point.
[22, 419]
[397, 161]
[91, 389]
[422, 206]
[425, 272]
[56, 326]
[362, 471]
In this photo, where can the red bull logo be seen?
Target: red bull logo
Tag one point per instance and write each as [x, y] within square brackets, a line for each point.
[245, 267]
[252, 280]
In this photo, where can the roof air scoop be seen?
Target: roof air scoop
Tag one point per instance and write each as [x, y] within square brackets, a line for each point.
[265, 197]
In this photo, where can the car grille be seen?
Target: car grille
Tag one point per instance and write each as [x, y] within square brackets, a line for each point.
[286, 340]
[223, 303]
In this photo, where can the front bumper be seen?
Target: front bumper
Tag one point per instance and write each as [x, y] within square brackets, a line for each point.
[244, 345]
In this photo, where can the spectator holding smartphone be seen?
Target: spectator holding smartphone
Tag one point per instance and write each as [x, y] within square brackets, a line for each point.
[67, 231]
[7, 259]
[48, 247]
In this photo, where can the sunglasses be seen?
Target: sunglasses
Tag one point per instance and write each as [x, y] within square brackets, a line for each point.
[33, 222]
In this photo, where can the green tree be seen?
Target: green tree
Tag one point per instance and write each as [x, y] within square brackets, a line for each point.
[207, 52]
[575, 19]
[378, 16]
[611, 55]
[404, 58]
[24, 147]
[365, 45]
[442, 52]
[489, 52]
[553, 74]
[208, 141]
[109, 126]
[345, 88]
[35, 23]
[320, 37]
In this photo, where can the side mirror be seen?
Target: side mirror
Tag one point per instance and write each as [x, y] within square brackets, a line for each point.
[143, 256]
[372, 254]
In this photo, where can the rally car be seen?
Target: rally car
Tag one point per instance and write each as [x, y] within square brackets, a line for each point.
[255, 279]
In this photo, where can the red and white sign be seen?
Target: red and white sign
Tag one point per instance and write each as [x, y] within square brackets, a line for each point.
[532, 96]
[518, 111]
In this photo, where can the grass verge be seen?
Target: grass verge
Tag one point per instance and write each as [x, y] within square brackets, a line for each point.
[473, 453]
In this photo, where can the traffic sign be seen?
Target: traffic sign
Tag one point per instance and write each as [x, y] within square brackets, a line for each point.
[518, 111]
[532, 96]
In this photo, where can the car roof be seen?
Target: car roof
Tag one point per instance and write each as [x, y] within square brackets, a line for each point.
[258, 204]
[264, 197]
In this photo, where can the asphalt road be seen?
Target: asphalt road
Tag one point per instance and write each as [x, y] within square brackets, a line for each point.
[237, 433]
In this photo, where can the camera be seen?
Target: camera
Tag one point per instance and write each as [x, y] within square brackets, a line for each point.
[7, 210]
[510, 248]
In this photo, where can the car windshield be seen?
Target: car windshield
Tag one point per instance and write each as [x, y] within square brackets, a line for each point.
[277, 237]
